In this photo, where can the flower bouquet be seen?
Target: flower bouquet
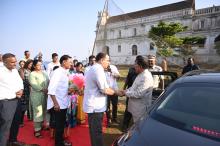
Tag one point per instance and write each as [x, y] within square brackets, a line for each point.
[76, 86]
[76, 83]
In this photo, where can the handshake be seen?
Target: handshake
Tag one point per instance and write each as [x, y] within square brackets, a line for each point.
[120, 92]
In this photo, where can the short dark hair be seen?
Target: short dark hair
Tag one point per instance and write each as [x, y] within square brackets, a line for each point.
[78, 64]
[75, 61]
[190, 58]
[7, 55]
[21, 61]
[100, 56]
[142, 63]
[54, 55]
[27, 63]
[91, 57]
[139, 57]
[25, 52]
[64, 57]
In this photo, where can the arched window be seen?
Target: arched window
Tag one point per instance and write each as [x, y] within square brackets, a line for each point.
[202, 24]
[134, 50]
[119, 48]
[106, 50]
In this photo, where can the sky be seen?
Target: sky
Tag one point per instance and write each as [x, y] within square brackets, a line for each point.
[61, 26]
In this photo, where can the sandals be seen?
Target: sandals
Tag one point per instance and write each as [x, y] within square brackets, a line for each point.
[37, 134]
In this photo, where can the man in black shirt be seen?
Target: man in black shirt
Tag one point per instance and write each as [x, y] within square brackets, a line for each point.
[190, 66]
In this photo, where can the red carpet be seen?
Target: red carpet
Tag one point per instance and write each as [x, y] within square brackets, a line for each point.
[79, 135]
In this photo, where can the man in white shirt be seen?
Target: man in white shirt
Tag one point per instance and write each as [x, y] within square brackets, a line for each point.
[58, 101]
[112, 74]
[140, 93]
[91, 63]
[55, 62]
[158, 80]
[11, 88]
[94, 103]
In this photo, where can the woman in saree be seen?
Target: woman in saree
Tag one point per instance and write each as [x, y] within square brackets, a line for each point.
[38, 96]
[26, 92]
[80, 114]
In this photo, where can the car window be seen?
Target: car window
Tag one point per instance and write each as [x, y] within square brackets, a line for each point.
[193, 107]
[161, 81]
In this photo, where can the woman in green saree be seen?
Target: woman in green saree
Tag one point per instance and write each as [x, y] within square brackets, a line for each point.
[38, 96]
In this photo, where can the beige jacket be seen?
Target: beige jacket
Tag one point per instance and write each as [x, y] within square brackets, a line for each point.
[140, 95]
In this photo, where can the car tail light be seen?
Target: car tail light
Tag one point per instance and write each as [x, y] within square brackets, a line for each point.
[206, 131]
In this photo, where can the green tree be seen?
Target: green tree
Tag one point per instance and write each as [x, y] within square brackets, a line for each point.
[164, 37]
[189, 42]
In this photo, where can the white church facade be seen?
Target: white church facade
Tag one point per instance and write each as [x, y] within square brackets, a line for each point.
[125, 36]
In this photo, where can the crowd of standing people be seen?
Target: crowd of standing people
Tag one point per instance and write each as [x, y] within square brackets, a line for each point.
[40, 92]
[43, 94]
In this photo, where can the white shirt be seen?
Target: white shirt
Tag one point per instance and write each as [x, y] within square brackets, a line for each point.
[50, 67]
[87, 69]
[95, 83]
[58, 86]
[111, 77]
[10, 83]
[156, 77]
[140, 95]
[1, 64]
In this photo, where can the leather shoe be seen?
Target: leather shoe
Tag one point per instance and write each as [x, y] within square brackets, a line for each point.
[67, 143]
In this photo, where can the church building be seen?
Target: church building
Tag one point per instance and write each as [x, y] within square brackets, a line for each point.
[125, 36]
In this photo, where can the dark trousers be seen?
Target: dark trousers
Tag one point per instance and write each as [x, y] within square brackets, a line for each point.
[28, 113]
[60, 119]
[22, 117]
[28, 109]
[114, 100]
[16, 123]
[127, 116]
[52, 118]
[7, 111]
[95, 128]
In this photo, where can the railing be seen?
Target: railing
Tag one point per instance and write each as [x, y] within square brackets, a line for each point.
[210, 10]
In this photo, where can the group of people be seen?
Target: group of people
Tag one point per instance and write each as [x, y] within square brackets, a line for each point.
[98, 89]
[43, 93]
